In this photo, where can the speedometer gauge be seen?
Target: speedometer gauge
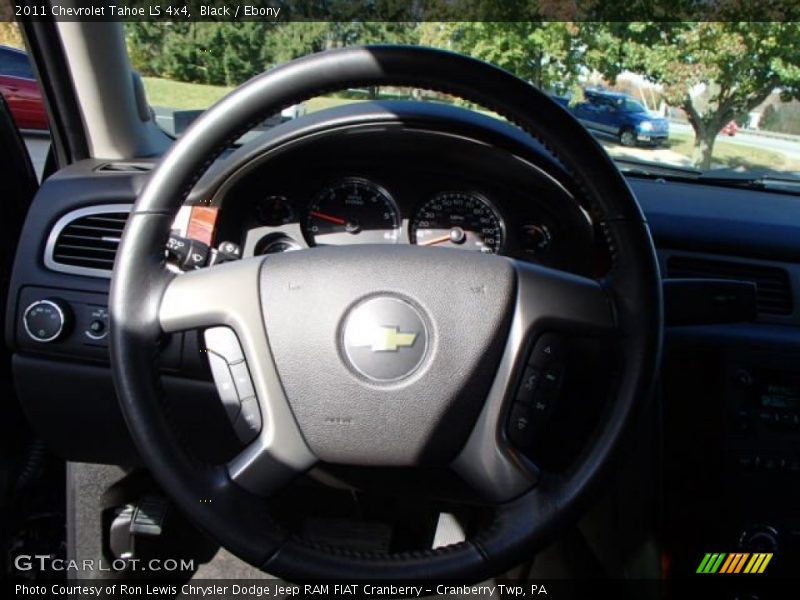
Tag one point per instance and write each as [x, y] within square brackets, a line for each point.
[353, 211]
[463, 220]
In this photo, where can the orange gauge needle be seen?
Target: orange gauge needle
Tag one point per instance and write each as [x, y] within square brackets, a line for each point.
[326, 217]
[438, 240]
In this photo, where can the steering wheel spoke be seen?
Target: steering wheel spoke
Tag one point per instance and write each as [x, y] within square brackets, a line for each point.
[225, 300]
[549, 299]
[550, 303]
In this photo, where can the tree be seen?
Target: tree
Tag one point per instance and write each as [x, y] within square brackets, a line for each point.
[715, 71]
[228, 53]
[547, 54]
[10, 35]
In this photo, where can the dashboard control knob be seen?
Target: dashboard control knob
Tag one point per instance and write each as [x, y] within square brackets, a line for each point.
[47, 320]
[762, 538]
[743, 378]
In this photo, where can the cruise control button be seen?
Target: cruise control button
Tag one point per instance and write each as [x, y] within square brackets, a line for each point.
[520, 426]
[223, 341]
[527, 386]
[241, 377]
[248, 424]
[225, 385]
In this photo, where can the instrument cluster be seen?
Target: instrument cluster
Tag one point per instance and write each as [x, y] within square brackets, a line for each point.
[357, 209]
[403, 186]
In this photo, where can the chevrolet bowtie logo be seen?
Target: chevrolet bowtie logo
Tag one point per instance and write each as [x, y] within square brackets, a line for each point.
[383, 339]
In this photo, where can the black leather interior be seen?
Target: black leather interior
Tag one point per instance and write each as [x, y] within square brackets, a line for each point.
[242, 522]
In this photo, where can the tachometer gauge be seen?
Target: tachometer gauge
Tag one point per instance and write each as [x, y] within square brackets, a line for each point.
[353, 211]
[463, 220]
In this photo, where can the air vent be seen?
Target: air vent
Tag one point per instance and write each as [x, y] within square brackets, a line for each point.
[85, 241]
[774, 293]
[124, 167]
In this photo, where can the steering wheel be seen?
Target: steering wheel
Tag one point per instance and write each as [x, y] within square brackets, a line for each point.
[464, 324]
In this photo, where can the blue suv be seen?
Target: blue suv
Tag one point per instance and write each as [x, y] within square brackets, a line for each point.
[620, 116]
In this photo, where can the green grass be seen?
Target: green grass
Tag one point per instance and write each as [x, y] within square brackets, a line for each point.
[731, 155]
[323, 102]
[185, 96]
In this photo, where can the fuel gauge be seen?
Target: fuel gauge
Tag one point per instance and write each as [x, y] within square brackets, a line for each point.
[536, 238]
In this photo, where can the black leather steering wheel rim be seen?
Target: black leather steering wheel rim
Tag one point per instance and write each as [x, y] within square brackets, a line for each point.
[242, 522]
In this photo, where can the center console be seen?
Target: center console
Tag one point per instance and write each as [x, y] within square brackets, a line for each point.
[732, 456]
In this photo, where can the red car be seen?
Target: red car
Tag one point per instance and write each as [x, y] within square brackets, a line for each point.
[730, 129]
[19, 87]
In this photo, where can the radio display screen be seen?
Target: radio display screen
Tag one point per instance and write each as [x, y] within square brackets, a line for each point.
[780, 395]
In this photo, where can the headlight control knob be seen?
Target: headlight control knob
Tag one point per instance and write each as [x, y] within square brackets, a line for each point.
[47, 320]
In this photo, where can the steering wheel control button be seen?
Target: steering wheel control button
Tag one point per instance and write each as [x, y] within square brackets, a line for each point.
[548, 348]
[241, 378]
[232, 378]
[528, 385]
[225, 385]
[385, 339]
[223, 341]
[520, 426]
[551, 377]
[537, 391]
[248, 424]
[47, 320]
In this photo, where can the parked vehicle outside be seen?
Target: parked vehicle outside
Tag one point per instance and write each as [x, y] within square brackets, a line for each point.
[19, 87]
[731, 129]
[620, 116]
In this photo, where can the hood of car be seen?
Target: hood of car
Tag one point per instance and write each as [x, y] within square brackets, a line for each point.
[646, 117]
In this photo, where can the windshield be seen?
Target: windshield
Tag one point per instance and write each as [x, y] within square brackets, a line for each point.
[719, 95]
[630, 106]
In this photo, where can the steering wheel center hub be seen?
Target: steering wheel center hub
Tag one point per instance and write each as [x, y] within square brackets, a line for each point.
[385, 338]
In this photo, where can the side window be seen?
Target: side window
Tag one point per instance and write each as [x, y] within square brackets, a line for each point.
[604, 104]
[15, 64]
[592, 102]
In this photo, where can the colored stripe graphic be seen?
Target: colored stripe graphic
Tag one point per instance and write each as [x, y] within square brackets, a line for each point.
[727, 564]
[703, 563]
[740, 564]
[711, 562]
[715, 565]
[730, 563]
[755, 561]
[737, 562]
[764, 564]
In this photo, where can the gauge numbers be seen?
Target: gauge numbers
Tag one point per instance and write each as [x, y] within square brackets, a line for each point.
[462, 220]
[353, 211]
